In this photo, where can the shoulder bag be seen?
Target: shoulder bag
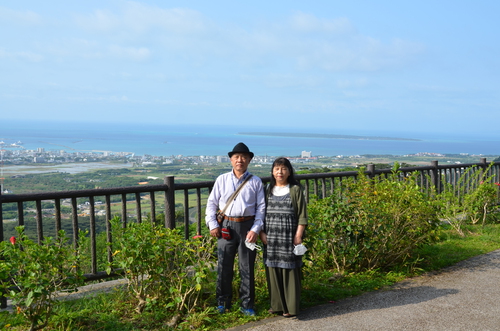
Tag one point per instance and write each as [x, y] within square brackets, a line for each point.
[220, 213]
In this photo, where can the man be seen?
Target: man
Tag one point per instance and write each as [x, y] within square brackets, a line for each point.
[243, 220]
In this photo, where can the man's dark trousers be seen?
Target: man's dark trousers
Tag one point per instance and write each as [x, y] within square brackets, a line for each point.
[227, 250]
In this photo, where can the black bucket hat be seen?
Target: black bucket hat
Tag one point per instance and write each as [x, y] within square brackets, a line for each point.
[240, 148]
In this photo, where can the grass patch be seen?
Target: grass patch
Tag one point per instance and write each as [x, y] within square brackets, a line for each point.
[453, 248]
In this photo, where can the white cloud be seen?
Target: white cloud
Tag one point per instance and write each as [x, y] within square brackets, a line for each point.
[22, 56]
[109, 98]
[304, 22]
[277, 80]
[312, 43]
[133, 53]
[100, 20]
[303, 41]
[352, 83]
[137, 18]
[348, 51]
[19, 17]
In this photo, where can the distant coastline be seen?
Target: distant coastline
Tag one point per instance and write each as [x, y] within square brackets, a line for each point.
[193, 140]
[321, 135]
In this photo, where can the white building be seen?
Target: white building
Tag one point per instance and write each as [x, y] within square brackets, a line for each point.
[221, 159]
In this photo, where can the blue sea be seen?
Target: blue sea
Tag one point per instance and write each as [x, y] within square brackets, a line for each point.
[188, 140]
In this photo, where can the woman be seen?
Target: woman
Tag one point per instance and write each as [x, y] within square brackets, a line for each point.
[284, 225]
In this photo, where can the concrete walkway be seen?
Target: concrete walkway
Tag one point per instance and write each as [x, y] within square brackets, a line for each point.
[463, 297]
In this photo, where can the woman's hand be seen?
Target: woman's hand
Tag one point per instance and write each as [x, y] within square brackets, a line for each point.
[263, 237]
[297, 240]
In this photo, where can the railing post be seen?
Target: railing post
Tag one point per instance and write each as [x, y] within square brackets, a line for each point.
[435, 176]
[371, 170]
[39, 224]
[169, 202]
[153, 206]
[138, 210]
[484, 167]
[483, 162]
[20, 213]
[323, 186]
[109, 236]
[124, 210]
[74, 218]
[186, 214]
[93, 236]
[57, 211]
[198, 211]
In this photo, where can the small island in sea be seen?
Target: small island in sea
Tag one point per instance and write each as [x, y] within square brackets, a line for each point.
[321, 135]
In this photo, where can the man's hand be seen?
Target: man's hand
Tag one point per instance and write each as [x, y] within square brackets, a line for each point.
[252, 237]
[216, 232]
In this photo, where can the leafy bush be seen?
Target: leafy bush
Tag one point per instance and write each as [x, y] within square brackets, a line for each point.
[31, 274]
[370, 223]
[162, 268]
[471, 199]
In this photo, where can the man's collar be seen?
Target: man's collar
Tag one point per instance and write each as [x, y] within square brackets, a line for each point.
[245, 174]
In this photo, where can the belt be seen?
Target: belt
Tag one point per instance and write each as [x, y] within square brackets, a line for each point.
[239, 219]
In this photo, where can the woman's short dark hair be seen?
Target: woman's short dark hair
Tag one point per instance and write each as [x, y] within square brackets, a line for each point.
[283, 161]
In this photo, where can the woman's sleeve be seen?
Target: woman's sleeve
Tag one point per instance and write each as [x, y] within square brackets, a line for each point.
[301, 206]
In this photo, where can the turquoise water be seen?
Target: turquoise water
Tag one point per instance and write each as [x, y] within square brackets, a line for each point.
[187, 140]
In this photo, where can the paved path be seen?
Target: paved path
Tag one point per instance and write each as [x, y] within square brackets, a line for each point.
[463, 297]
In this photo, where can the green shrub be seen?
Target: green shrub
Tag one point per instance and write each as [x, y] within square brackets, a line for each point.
[470, 200]
[32, 273]
[371, 224]
[162, 268]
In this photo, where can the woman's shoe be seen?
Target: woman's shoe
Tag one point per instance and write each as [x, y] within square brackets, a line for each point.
[287, 315]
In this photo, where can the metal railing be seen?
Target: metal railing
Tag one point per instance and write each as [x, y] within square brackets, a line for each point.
[194, 197]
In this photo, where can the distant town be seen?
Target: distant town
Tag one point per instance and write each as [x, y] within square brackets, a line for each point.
[15, 154]
[18, 163]
[41, 156]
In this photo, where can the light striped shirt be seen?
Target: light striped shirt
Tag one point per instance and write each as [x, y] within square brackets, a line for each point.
[249, 202]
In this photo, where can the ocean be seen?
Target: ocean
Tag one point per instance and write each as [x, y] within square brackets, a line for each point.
[190, 140]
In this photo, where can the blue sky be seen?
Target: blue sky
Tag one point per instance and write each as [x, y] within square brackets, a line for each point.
[331, 66]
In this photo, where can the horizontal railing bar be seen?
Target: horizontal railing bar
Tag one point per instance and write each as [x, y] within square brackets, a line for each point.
[101, 192]
[206, 184]
[82, 193]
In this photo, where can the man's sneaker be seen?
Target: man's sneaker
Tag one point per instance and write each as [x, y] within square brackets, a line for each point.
[248, 312]
[221, 309]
